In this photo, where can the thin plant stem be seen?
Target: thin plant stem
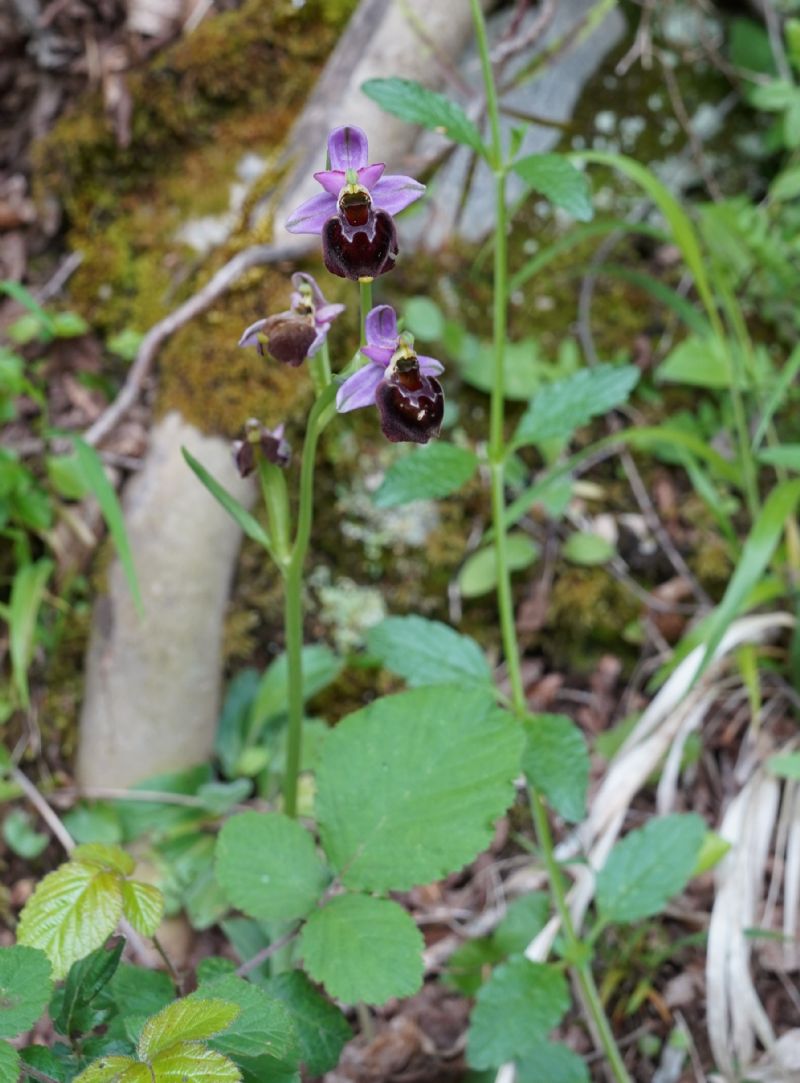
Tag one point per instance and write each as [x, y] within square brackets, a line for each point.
[577, 952]
[365, 296]
[320, 367]
[497, 456]
[321, 413]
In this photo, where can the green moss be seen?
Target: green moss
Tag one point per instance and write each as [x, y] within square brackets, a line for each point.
[589, 611]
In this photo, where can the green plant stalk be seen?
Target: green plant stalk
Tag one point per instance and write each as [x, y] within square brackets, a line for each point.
[276, 499]
[497, 455]
[321, 413]
[365, 297]
[580, 963]
[320, 367]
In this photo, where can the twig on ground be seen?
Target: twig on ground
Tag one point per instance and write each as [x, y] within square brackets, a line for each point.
[685, 121]
[256, 256]
[265, 953]
[63, 273]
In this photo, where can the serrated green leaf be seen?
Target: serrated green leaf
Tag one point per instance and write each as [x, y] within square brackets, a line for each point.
[649, 866]
[321, 1027]
[587, 549]
[114, 1070]
[268, 866]
[137, 991]
[415, 104]
[104, 856]
[192, 1061]
[47, 1061]
[251, 527]
[396, 776]
[9, 1062]
[263, 1027]
[558, 409]
[95, 821]
[556, 760]
[86, 979]
[556, 178]
[551, 1063]
[187, 1020]
[25, 986]
[71, 912]
[104, 493]
[27, 593]
[428, 473]
[363, 949]
[143, 905]
[478, 573]
[525, 918]
[514, 1010]
[427, 651]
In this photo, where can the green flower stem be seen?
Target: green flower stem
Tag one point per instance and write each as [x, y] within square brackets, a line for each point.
[276, 499]
[578, 953]
[365, 291]
[321, 413]
[497, 455]
[320, 366]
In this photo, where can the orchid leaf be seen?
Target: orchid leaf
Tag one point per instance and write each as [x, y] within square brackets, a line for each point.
[415, 104]
[427, 473]
[556, 178]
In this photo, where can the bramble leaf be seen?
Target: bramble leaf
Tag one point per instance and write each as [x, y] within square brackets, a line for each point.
[321, 1027]
[514, 1010]
[556, 760]
[396, 776]
[556, 178]
[9, 1062]
[268, 866]
[559, 408]
[552, 1063]
[193, 1061]
[428, 473]
[415, 104]
[427, 651]
[363, 949]
[25, 986]
[73, 911]
[649, 866]
[191, 1019]
[143, 906]
[263, 1027]
[71, 1006]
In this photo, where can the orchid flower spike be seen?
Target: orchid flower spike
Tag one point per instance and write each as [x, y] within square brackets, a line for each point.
[397, 380]
[297, 333]
[354, 212]
[259, 440]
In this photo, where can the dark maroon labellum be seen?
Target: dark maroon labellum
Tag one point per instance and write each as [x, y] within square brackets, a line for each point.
[271, 445]
[289, 338]
[411, 404]
[358, 256]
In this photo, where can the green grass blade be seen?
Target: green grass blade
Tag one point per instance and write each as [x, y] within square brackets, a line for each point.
[776, 396]
[27, 592]
[17, 292]
[683, 232]
[252, 528]
[575, 237]
[662, 293]
[756, 555]
[104, 493]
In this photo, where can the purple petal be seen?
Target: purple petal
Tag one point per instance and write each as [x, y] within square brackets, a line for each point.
[312, 215]
[359, 389]
[328, 313]
[429, 365]
[395, 192]
[300, 278]
[381, 327]
[347, 148]
[332, 180]
[381, 355]
[370, 175]
[316, 342]
[250, 335]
